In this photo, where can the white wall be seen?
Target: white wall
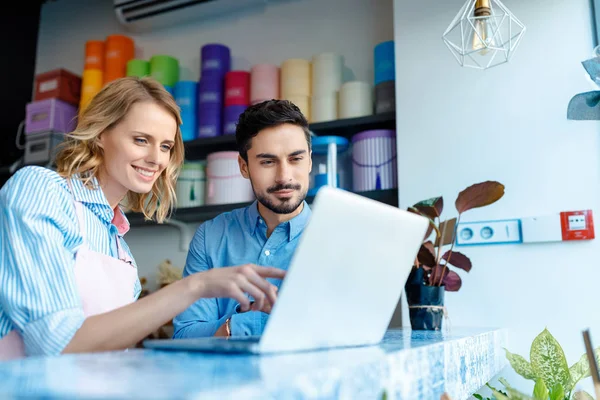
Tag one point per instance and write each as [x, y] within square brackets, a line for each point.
[281, 30]
[459, 126]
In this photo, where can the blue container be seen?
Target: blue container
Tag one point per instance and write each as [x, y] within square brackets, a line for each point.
[186, 96]
[384, 62]
[331, 163]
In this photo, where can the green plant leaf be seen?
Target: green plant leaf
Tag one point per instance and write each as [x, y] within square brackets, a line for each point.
[581, 369]
[521, 365]
[431, 207]
[479, 195]
[548, 361]
[478, 396]
[459, 260]
[513, 393]
[540, 391]
[582, 395]
[557, 392]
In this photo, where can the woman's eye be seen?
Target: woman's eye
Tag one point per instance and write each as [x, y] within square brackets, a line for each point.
[140, 140]
[166, 148]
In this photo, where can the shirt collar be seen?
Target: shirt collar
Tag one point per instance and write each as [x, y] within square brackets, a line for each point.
[295, 226]
[100, 206]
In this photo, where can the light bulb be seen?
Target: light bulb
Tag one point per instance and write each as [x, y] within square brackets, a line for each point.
[483, 36]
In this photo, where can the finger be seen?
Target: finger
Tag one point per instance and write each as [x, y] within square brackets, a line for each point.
[239, 295]
[269, 272]
[255, 292]
[268, 288]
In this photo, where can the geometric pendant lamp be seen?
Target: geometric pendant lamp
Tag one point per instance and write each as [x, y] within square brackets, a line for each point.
[484, 34]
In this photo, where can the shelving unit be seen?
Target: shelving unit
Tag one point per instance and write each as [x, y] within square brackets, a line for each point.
[204, 213]
[200, 148]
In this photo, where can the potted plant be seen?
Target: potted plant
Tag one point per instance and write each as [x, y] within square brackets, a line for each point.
[548, 368]
[431, 275]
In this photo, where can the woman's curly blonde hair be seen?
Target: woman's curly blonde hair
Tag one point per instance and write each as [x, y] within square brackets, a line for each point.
[81, 156]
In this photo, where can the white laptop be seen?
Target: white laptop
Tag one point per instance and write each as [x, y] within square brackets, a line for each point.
[343, 284]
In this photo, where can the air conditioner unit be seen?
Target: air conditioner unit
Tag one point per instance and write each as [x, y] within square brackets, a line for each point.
[148, 15]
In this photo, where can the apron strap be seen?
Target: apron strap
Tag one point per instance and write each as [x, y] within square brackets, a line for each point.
[78, 212]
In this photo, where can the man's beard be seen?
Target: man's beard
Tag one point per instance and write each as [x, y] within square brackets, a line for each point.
[284, 207]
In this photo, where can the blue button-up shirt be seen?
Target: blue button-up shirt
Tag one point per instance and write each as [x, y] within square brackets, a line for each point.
[231, 239]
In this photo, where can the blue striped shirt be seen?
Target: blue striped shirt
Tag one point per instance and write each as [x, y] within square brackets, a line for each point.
[39, 237]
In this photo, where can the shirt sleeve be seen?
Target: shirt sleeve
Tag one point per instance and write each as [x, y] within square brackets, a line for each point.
[201, 318]
[39, 235]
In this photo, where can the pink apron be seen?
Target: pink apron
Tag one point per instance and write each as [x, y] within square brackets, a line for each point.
[104, 283]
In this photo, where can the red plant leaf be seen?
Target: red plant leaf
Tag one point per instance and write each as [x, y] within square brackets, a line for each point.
[479, 195]
[459, 260]
[452, 281]
[447, 229]
[426, 255]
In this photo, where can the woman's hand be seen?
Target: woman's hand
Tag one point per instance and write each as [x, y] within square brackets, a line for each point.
[237, 282]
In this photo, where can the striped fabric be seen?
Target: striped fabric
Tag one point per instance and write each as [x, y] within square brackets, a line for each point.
[39, 236]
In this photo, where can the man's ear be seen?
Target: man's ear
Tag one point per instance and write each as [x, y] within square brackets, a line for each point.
[243, 167]
[310, 161]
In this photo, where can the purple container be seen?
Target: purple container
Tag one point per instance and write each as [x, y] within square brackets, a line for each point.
[230, 119]
[210, 90]
[50, 115]
[215, 60]
[374, 164]
[209, 120]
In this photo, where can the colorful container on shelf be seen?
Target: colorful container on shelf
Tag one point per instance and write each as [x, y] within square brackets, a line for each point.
[60, 84]
[231, 117]
[326, 74]
[215, 60]
[186, 96]
[356, 100]
[385, 97]
[374, 163]
[210, 105]
[224, 182]
[91, 84]
[139, 68]
[331, 163]
[165, 69]
[94, 55]
[191, 184]
[118, 50]
[264, 83]
[302, 102]
[237, 88]
[295, 78]
[50, 115]
[384, 62]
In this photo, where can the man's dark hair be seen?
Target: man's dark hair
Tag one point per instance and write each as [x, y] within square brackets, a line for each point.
[265, 115]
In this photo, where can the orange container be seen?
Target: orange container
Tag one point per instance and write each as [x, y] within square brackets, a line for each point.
[60, 84]
[118, 50]
[94, 54]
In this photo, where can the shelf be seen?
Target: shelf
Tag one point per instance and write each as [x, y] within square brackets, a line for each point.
[198, 149]
[204, 213]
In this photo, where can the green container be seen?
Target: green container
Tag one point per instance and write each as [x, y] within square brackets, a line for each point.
[165, 69]
[139, 68]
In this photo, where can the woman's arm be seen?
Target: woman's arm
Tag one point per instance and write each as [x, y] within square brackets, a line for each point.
[126, 326]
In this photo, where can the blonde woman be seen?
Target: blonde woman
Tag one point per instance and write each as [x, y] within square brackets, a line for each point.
[68, 282]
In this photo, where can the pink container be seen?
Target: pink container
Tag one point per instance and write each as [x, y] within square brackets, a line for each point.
[264, 83]
[224, 182]
[50, 115]
[237, 88]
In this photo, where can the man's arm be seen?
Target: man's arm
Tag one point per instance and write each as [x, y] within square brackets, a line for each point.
[201, 318]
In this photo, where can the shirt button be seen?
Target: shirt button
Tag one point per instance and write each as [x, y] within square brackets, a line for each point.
[260, 221]
[267, 253]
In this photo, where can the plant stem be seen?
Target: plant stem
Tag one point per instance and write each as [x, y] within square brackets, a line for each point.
[450, 251]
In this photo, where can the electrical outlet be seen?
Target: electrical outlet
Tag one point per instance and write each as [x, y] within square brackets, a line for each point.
[488, 232]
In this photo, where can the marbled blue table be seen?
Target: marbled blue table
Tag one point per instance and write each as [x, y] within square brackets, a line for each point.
[406, 365]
